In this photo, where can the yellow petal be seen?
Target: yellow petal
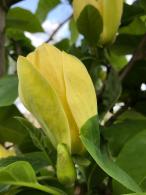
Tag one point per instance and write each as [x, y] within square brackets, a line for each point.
[111, 13]
[79, 5]
[42, 101]
[48, 61]
[80, 91]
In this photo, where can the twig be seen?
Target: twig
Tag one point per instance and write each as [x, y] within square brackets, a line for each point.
[138, 54]
[12, 2]
[58, 28]
[116, 115]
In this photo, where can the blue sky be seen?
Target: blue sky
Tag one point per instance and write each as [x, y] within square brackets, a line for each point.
[56, 14]
[54, 18]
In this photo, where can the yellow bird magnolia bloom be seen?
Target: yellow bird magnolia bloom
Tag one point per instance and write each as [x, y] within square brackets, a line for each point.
[57, 89]
[6, 153]
[110, 11]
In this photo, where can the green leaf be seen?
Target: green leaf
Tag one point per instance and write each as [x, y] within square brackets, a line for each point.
[143, 4]
[117, 61]
[8, 90]
[136, 194]
[31, 192]
[63, 45]
[7, 112]
[17, 40]
[136, 27]
[12, 131]
[90, 137]
[21, 174]
[123, 130]
[36, 135]
[44, 6]
[120, 47]
[130, 12]
[74, 31]
[36, 159]
[39, 140]
[23, 20]
[90, 24]
[135, 153]
[111, 93]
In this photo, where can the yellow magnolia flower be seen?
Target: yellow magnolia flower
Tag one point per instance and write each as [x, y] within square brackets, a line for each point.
[110, 11]
[57, 89]
[6, 153]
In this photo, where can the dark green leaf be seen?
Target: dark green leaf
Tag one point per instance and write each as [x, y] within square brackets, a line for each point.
[74, 31]
[63, 45]
[39, 140]
[131, 12]
[8, 90]
[111, 93]
[18, 43]
[23, 20]
[22, 174]
[37, 135]
[120, 47]
[36, 159]
[135, 153]
[90, 137]
[123, 130]
[136, 27]
[117, 61]
[12, 131]
[7, 112]
[90, 24]
[31, 192]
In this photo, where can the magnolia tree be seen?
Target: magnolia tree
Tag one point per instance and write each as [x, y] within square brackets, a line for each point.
[87, 94]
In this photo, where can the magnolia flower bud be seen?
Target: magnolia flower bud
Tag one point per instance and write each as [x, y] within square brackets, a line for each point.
[66, 171]
[110, 11]
[57, 89]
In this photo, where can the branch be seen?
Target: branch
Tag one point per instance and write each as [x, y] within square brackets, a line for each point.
[2, 39]
[116, 115]
[12, 2]
[138, 54]
[58, 28]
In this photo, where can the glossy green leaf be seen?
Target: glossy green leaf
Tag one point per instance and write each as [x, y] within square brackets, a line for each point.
[74, 31]
[37, 135]
[117, 61]
[36, 159]
[120, 47]
[136, 27]
[22, 174]
[90, 24]
[8, 90]
[135, 153]
[111, 93]
[23, 20]
[90, 137]
[126, 126]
